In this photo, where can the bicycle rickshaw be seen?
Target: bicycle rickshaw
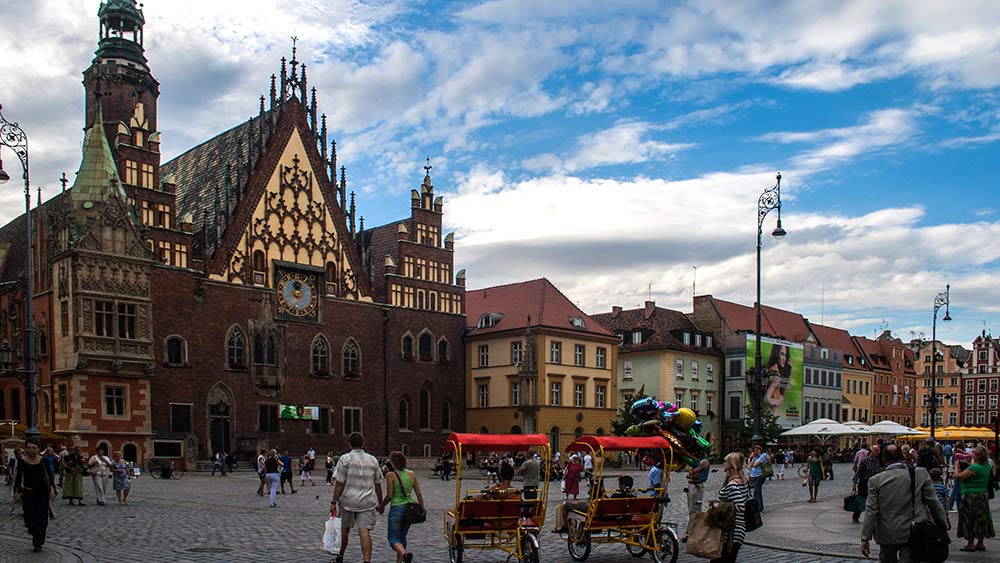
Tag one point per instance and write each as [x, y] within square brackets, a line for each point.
[481, 521]
[633, 520]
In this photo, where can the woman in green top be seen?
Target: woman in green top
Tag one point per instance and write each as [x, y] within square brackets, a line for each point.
[401, 484]
[815, 474]
[975, 523]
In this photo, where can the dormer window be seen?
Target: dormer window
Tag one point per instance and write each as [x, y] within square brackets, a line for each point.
[824, 353]
[697, 340]
[850, 359]
[577, 322]
[489, 320]
[708, 341]
[687, 338]
[636, 337]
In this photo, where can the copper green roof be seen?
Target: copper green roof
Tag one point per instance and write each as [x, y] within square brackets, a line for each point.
[97, 180]
[119, 9]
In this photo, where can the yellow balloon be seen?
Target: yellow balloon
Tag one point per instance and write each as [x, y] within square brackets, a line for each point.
[685, 418]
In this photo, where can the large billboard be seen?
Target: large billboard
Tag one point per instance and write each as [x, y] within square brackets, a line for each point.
[782, 362]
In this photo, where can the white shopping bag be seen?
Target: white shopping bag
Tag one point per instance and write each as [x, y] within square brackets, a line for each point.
[331, 537]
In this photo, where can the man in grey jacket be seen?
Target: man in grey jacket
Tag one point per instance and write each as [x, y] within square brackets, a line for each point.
[889, 512]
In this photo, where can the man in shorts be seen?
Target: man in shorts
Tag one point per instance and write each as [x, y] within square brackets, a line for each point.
[260, 471]
[357, 493]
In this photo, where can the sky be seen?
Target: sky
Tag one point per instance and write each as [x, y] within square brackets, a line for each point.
[617, 148]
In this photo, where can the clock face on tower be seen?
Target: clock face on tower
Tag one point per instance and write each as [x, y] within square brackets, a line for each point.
[297, 295]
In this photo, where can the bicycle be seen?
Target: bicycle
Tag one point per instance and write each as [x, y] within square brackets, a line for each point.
[158, 470]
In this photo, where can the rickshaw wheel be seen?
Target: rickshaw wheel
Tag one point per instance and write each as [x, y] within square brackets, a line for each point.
[668, 547]
[636, 550]
[579, 549]
[455, 549]
[529, 549]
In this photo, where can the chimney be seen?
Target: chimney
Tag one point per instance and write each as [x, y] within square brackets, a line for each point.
[648, 309]
[615, 311]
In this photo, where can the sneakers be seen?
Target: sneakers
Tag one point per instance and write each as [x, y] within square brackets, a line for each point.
[408, 557]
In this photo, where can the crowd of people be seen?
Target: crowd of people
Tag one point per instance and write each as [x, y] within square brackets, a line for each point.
[38, 475]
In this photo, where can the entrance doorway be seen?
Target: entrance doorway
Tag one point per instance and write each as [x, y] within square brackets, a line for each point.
[220, 434]
[130, 453]
[220, 419]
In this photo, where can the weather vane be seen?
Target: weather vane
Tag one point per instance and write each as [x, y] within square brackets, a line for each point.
[428, 166]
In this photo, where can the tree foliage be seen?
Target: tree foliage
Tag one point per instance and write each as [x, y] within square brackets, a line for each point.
[769, 428]
[625, 419]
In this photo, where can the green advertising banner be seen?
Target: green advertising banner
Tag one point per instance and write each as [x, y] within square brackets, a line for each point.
[782, 363]
[299, 412]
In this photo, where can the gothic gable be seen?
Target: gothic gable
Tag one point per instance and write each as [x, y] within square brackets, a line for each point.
[289, 215]
[113, 232]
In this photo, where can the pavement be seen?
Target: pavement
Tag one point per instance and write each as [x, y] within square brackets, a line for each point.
[221, 519]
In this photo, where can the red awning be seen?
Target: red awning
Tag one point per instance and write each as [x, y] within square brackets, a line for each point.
[618, 443]
[482, 442]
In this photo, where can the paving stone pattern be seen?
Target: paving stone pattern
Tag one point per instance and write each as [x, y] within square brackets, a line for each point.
[216, 519]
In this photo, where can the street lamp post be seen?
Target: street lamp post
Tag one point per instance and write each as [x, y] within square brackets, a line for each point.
[940, 300]
[13, 137]
[769, 200]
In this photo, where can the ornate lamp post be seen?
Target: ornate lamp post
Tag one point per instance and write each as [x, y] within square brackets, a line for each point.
[769, 200]
[13, 137]
[940, 300]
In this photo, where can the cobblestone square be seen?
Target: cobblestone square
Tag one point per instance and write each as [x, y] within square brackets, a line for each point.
[203, 518]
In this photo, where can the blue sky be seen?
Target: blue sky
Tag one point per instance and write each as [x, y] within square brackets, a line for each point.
[610, 146]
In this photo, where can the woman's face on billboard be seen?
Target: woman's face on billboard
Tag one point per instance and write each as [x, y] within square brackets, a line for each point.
[783, 356]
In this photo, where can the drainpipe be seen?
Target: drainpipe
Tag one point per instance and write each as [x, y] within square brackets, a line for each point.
[385, 382]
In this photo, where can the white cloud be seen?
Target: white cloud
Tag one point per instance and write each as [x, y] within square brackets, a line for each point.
[626, 142]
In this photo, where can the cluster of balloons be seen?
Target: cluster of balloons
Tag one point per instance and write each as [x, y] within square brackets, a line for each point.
[680, 426]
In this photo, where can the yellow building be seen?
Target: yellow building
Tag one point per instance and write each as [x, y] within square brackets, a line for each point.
[858, 381]
[535, 363]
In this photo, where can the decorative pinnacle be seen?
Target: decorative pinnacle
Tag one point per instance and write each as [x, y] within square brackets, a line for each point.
[294, 41]
[427, 167]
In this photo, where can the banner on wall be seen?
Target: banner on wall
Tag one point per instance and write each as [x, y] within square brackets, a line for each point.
[782, 362]
[299, 412]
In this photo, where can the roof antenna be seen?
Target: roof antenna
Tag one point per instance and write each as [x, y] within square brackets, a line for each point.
[694, 282]
[822, 303]
[649, 292]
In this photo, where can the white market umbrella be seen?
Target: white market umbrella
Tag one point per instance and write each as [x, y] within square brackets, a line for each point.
[824, 427]
[861, 427]
[891, 428]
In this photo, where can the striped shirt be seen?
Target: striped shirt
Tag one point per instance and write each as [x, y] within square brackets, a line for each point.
[359, 472]
[738, 494]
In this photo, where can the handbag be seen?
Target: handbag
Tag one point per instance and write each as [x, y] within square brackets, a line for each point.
[704, 540]
[414, 513]
[928, 541]
[851, 503]
[562, 486]
[751, 515]
[766, 470]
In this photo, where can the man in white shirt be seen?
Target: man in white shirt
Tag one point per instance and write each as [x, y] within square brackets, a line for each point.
[357, 494]
[100, 469]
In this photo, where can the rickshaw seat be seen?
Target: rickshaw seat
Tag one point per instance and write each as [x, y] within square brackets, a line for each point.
[619, 512]
[491, 515]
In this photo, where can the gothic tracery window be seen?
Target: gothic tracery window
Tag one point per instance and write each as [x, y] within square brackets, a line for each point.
[320, 356]
[352, 359]
[235, 349]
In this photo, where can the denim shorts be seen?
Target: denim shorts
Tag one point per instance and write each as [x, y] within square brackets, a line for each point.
[398, 526]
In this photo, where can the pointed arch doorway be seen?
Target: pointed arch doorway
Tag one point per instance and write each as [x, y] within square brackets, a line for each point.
[220, 419]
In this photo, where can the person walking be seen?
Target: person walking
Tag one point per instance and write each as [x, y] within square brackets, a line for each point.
[779, 465]
[975, 523]
[697, 475]
[531, 470]
[261, 458]
[34, 487]
[305, 470]
[357, 494]
[99, 467]
[571, 476]
[867, 468]
[329, 468]
[74, 467]
[272, 472]
[897, 497]
[828, 464]
[217, 464]
[757, 475]
[121, 482]
[960, 457]
[63, 452]
[286, 471]
[400, 485]
[737, 491]
[815, 475]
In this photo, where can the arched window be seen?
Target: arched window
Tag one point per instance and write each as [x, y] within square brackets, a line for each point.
[352, 359]
[426, 347]
[599, 432]
[420, 300]
[432, 301]
[404, 414]
[331, 278]
[258, 348]
[408, 347]
[446, 415]
[270, 347]
[554, 438]
[577, 433]
[320, 356]
[425, 408]
[174, 351]
[443, 350]
[235, 349]
[259, 267]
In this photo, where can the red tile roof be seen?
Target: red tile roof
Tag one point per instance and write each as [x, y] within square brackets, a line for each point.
[546, 305]
[774, 322]
[838, 339]
[661, 323]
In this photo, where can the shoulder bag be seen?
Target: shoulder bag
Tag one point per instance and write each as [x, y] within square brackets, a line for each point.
[751, 514]
[705, 540]
[928, 541]
[414, 513]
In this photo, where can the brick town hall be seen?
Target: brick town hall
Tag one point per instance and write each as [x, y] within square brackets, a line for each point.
[228, 299]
